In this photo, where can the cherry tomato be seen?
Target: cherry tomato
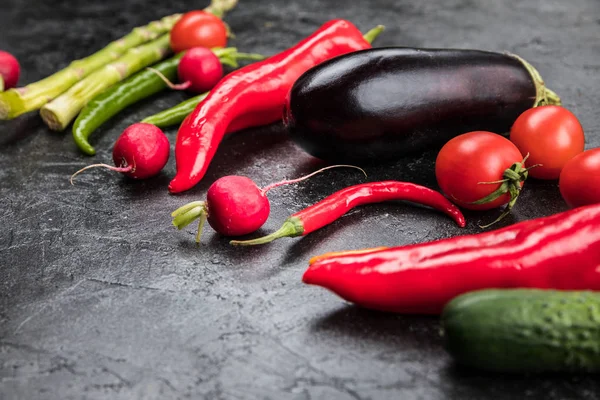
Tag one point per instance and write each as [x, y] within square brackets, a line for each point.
[469, 160]
[551, 135]
[198, 29]
[580, 179]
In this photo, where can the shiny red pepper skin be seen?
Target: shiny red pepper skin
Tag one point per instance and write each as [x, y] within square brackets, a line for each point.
[558, 252]
[259, 88]
[334, 206]
[339, 203]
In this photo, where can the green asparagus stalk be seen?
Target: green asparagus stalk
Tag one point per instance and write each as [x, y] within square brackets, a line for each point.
[58, 113]
[15, 102]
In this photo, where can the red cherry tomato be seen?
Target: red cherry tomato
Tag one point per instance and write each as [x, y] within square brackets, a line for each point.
[198, 29]
[466, 162]
[551, 135]
[580, 179]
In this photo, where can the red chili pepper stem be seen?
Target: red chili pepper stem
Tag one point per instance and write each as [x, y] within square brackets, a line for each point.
[511, 184]
[128, 168]
[373, 33]
[291, 227]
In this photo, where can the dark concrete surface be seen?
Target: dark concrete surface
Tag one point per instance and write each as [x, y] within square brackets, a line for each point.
[100, 297]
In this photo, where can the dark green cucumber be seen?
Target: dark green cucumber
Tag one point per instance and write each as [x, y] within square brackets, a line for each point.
[524, 330]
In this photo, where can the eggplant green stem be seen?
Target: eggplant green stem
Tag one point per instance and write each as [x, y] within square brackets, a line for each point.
[371, 35]
[292, 227]
[188, 213]
[511, 184]
[543, 95]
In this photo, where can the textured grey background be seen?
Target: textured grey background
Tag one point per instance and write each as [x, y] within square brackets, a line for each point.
[100, 297]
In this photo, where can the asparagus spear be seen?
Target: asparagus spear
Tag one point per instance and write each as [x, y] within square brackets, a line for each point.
[58, 113]
[15, 102]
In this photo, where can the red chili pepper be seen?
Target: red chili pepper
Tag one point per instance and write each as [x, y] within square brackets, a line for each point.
[334, 206]
[258, 89]
[557, 252]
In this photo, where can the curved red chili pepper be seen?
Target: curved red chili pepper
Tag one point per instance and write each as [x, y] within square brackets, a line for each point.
[558, 252]
[259, 88]
[334, 206]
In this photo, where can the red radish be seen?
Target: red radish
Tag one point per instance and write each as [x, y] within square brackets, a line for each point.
[234, 206]
[199, 70]
[9, 71]
[140, 152]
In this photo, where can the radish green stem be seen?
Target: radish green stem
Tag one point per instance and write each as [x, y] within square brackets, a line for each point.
[186, 214]
[129, 168]
[290, 181]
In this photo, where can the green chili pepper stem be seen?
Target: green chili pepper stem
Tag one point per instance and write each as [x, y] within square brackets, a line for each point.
[373, 33]
[175, 115]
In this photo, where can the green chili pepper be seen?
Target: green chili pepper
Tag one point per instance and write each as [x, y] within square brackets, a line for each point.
[139, 86]
[108, 103]
[175, 115]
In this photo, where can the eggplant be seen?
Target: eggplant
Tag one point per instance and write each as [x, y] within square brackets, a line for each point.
[380, 104]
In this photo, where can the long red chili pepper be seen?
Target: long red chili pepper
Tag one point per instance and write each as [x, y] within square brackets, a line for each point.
[258, 89]
[334, 206]
[558, 252]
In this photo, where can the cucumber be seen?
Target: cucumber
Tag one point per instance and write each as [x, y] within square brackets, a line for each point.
[524, 330]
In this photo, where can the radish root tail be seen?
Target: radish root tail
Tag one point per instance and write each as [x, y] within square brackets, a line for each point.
[290, 181]
[116, 169]
[171, 85]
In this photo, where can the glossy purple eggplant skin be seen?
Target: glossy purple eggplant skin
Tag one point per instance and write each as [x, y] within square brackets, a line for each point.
[383, 103]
